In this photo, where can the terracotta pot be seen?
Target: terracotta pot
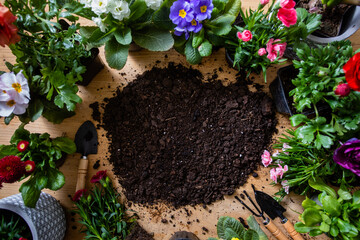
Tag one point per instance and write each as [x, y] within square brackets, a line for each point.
[45, 221]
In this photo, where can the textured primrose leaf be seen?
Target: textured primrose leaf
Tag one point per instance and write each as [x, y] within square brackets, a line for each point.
[192, 54]
[153, 39]
[123, 36]
[205, 49]
[116, 54]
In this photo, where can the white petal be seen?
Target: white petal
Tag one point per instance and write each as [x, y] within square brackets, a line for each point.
[6, 81]
[20, 108]
[4, 96]
[19, 98]
[6, 110]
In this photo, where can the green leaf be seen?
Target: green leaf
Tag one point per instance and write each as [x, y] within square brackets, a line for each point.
[221, 25]
[221, 228]
[251, 235]
[356, 197]
[331, 206]
[137, 9]
[230, 234]
[232, 8]
[67, 96]
[234, 225]
[297, 119]
[35, 109]
[205, 49]
[319, 184]
[41, 181]
[116, 54]
[306, 133]
[30, 193]
[311, 217]
[324, 227]
[198, 38]
[153, 39]
[56, 179]
[123, 36]
[87, 31]
[302, 228]
[161, 17]
[253, 224]
[65, 144]
[344, 194]
[323, 141]
[334, 231]
[20, 134]
[308, 203]
[6, 150]
[192, 54]
[99, 38]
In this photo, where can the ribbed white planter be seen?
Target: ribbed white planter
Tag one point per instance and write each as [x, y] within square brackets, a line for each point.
[46, 221]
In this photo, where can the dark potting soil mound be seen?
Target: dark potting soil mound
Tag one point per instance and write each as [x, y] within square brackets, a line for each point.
[179, 140]
[138, 233]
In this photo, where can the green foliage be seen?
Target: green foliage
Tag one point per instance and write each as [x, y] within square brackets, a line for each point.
[146, 27]
[102, 213]
[337, 216]
[264, 25]
[12, 226]
[229, 228]
[45, 152]
[213, 33]
[309, 168]
[50, 57]
[320, 72]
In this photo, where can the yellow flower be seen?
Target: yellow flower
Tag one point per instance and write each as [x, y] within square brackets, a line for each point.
[235, 239]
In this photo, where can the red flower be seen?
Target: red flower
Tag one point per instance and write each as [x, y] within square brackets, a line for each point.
[11, 169]
[23, 238]
[287, 16]
[78, 195]
[352, 72]
[98, 176]
[287, 4]
[342, 90]
[8, 31]
[22, 145]
[29, 166]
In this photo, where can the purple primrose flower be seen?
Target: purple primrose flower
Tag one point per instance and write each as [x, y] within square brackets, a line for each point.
[181, 13]
[348, 155]
[180, 30]
[203, 9]
[194, 26]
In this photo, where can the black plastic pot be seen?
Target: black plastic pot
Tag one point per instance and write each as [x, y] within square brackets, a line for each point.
[350, 24]
[93, 66]
[280, 89]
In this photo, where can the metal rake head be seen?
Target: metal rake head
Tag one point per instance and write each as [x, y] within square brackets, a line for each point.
[260, 213]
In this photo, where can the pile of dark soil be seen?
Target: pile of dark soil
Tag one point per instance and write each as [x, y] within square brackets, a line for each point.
[138, 233]
[182, 141]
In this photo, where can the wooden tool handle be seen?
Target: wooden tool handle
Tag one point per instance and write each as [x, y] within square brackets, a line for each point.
[274, 230]
[291, 230]
[82, 172]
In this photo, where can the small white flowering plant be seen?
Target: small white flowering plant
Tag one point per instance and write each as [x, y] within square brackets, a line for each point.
[121, 22]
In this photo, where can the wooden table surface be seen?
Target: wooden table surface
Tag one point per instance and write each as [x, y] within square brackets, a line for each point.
[202, 221]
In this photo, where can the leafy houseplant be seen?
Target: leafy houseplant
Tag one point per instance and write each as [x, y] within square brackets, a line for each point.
[229, 228]
[121, 22]
[321, 79]
[101, 212]
[200, 25]
[337, 216]
[35, 156]
[12, 226]
[265, 34]
[299, 166]
[49, 56]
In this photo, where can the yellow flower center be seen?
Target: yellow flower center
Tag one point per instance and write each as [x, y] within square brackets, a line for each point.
[8, 168]
[203, 8]
[193, 22]
[100, 4]
[4, 91]
[182, 13]
[11, 103]
[17, 87]
[28, 167]
[22, 146]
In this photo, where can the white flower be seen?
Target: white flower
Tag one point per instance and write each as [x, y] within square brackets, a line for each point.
[87, 3]
[15, 86]
[11, 106]
[100, 6]
[119, 9]
[98, 21]
[153, 4]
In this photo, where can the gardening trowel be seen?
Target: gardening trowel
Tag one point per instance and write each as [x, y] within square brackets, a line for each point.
[86, 143]
[273, 209]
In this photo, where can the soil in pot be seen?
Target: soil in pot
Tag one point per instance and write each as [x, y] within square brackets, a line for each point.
[10, 216]
[178, 140]
[331, 19]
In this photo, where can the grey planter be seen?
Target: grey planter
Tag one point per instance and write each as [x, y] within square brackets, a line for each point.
[46, 221]
[350, 24]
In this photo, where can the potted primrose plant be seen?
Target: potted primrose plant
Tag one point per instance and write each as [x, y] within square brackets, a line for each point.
[266, 33]
[35, 157]
[50, 54]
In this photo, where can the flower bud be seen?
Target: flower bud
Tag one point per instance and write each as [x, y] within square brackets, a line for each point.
[321, 73]
[89, 198]
[342, 90]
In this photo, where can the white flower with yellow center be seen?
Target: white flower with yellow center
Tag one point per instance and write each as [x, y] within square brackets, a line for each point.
[100, 6]
[119, 9]
[11, 106]
[87, 3]
[153, 4]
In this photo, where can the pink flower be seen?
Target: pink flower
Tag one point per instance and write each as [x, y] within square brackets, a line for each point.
[342, 90]
[78, 195]
[246, 35]
[285, 186]
[275, 153]
[273, 175]
[98, 176]
[266, 158]
[287, 4]
[275, 49]
[262, 51]
[287, 16]
[280, 171]
[264, 2]
[280, 48]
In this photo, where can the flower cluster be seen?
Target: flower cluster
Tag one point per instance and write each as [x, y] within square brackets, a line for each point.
[8, 31]
[14, 94]
[187, 15]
